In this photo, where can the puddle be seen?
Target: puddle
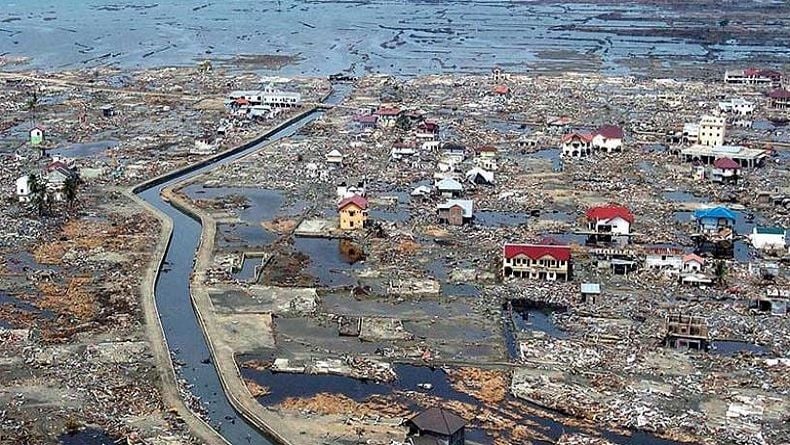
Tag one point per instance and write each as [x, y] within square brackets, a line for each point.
[238, 236]
[681, 196]
[551, 154]
[331, 260]
[647, 166]
[261, 204]
[490, 218]
[87, 437]
[86, 150]
[731, 348]
[247, 271]
[438, 269]
[24, 306]
[531, 316]
[564, 238]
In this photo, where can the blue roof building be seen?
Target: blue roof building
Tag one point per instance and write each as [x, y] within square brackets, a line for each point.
[715, 220]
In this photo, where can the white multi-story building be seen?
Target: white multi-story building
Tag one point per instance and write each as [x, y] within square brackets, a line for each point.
[269, 97]
[711, 131]
[737, 106]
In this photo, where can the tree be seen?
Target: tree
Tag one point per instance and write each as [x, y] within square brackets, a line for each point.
[70, 186]
[403, 123]
[38, 193]
[721, 271]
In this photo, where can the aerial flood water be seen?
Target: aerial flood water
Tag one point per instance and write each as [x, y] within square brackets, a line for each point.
[407, 38]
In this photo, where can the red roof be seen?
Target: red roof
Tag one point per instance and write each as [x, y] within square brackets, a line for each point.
[384, 111]
[537, 251]
[54, 165]
[486, 149]
[501, 89]
[242, 101]
[779, 93]
[366, 118]
[357, 200]
[430, 127]
[583, 135]
[610, 132]
[726, 164]
[609, 212]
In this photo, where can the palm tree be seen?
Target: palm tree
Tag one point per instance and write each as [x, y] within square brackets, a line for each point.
[70, 186]
[721, 271]
[38, 193]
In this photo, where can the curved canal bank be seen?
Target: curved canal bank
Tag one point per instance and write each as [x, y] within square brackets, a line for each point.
[172, 323]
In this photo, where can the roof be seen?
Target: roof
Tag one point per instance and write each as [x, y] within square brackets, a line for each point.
[583, 135]
[334, 153]
[449, 184]
[487, 149]
[610, 211]
[438, 421]
[538, 251]
[477, 171]
[716, 212]
[385, 111]
[428, 126]
[366, 118]
[591, 288]
[501, 89]
[465, 204]
[779, 93]
[357, 200]
[610, 132]
[769, 230]
[693, 257]
[726, 164]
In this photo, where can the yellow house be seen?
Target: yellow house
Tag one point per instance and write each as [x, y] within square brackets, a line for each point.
[353, 212]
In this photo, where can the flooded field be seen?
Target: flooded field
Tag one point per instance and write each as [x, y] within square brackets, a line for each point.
[406, 38]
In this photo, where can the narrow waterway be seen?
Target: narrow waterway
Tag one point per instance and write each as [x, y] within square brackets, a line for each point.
[182, 331]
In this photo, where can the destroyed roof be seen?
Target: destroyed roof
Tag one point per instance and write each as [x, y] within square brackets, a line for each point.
[591, 288]
[610, 211]
[583, 135]
[487, 149]
[537, 251]
[357, 200]
[452, 146]
[501, 89]
[386, 111]
[726, 164]
[366, 118]
[449, 184]
[610, 132]
[779, 93]
[465, 204]
[438, 421]
[715, 212]
[334, 153]
[477, 171]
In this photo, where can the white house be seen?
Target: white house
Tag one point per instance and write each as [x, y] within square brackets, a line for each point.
[577, 144]
[711, 131]
[479, 176]
[664, 259]
[450, 188]
[769, 238]
[23, 188]
[611, 219]
[608, 139]
[334, 157]
[737, 106]
[693, 264]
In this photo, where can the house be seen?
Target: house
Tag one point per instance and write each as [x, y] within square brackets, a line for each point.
[57, 174]
[753, 76]
[769, 238]
[436, 426]
[537, 261]
[366, 121]
[502, 90]
[690, 134]
[353, 212]
[487, 151]
[667, 259]
[23, 188]
[334, 157]
[608, 139]
[711, 131]
[609, 222]
[107, 110]
[268, 96]
[387, 116]
[497, 74]
[346, 191]
[780, 98]
[577, 144]
[590, 293]
[703, 154]
[489, 164]
[455, 212]
[696, 279]
[716, 221]
[619, 261]
[421, 190]
[453, 149]
[737, 106]
[402, 150]
[693, 263]
[450, 188]
[686, 332]
[725, 170]
[479, 176]
[36, 135]
[775, 301]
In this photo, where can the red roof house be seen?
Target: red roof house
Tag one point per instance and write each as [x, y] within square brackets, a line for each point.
[610, 132]
[609, 212]
[583, 136]
[726, 164]
[537, 251]
[357, 200]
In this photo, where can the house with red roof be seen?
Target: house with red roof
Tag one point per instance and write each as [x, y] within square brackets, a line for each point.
[577, 144]
[550, 262]
[387, 116]
[610, 219]
[725, 170]
[608, 139]
[780, 98]
[353, 212]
